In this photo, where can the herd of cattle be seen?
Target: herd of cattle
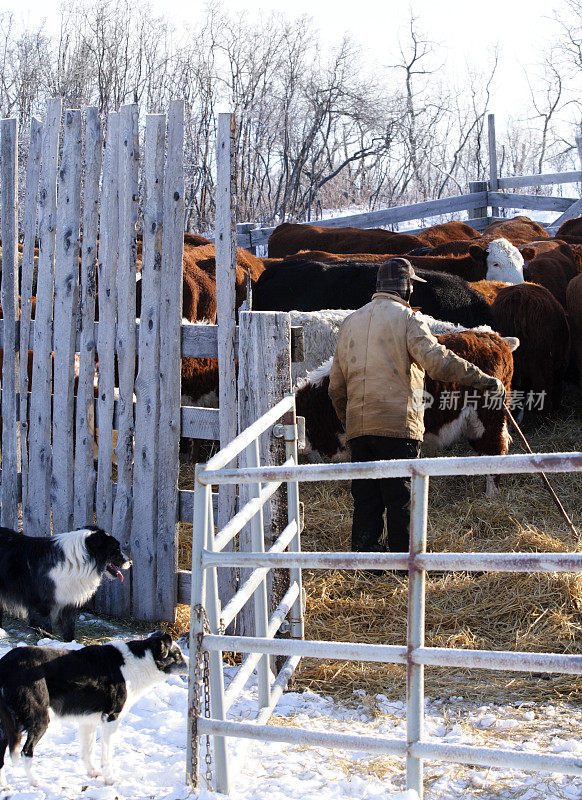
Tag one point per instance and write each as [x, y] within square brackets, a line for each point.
[486, 294]
[509, 300]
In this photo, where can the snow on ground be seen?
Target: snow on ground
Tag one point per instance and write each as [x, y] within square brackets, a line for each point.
[150, 751]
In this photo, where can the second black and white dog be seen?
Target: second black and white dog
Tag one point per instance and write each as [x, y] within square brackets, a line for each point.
[46, 579]
[95, 684]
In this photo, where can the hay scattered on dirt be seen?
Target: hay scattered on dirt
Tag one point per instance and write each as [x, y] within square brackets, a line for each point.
[472, 610]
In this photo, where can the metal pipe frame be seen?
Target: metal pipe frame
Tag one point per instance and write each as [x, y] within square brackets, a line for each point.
[415, 637]
[245, 670]
[518, 661]
[414, 656]
[246, 437]
[461, 754]
[254, 580]
[293, 514]
[242, 517]
[259, 593]
[464, 562]
[468, 465]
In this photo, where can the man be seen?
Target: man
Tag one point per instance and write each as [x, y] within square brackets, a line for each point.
[377, 375]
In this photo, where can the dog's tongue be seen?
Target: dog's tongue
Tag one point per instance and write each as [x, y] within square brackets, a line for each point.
[116, 572]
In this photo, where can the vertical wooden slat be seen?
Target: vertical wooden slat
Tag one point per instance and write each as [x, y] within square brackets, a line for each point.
[65, 308]
[145, 497]
[26, 286]
[36, 514]
[493, 175]
[264, 378]
[128, 155]
[107, 289]
[9, 296]
[84, 481]
[170, 361]
[225, 248]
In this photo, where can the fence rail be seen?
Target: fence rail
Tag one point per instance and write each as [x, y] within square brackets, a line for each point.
[208, 557]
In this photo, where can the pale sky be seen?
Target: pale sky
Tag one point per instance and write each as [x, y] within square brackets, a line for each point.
[522, 28]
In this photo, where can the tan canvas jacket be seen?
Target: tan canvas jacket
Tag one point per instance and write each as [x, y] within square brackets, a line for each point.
[377, 375]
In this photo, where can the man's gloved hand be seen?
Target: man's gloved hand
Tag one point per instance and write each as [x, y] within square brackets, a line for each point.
[494, 386]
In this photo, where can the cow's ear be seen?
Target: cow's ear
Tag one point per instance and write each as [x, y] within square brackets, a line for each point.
[528, 253]
[477, 252]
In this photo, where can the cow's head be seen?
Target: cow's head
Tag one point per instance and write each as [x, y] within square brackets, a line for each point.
[504, 262]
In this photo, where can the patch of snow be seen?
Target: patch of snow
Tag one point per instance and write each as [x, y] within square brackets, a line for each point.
[150, 751]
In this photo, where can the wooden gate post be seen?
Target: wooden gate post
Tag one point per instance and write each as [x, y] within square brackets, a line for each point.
[225, 253]
[493, 182]
[264, 378]
[145, 469]
[479, 186]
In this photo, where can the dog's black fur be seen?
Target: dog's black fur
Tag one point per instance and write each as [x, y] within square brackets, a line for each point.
[89, 683]
[46, 579]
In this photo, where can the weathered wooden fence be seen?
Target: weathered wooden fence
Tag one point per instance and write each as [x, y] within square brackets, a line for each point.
[482, 203]
[72, 383]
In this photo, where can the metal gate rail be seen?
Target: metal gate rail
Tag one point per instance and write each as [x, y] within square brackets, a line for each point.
[206, 558]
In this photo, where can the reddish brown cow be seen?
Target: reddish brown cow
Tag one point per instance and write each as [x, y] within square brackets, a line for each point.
[553, 268]
[571, 231]
[448, 232]
[574, 306]
[489, 289]
[519, 230]
[290, 238]
[532, 314]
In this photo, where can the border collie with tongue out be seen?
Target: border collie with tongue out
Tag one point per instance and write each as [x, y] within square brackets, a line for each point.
[46, 579]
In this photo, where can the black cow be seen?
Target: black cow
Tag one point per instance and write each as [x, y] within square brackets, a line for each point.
[311, 286]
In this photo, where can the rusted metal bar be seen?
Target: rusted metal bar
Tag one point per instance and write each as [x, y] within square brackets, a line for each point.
[542, 475]
[469, 465]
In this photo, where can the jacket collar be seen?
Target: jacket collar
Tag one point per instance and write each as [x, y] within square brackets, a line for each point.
[391, 296]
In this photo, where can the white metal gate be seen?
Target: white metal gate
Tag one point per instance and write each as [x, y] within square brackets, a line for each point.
[208, 620]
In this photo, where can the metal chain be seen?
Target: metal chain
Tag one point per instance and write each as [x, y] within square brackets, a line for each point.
[201, 678]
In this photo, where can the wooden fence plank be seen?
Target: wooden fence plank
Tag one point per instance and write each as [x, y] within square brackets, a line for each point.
[106, 275]
[9, 297]
[200, 423]
[64, 320]
[26, 285]
[264, 378]
[523, 181]
[390, 216]
[128, 163]
[170, 319]
[145, 497]
[36, 514]
[527, 201]
[493, 173]
[84, 481]
[225, 247]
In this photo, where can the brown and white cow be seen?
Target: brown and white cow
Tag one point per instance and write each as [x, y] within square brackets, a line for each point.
[452, 412]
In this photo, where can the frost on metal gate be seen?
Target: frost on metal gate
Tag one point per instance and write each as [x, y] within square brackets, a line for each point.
[208, 719]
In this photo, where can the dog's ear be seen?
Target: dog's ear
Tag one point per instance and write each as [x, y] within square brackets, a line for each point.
[162, 643]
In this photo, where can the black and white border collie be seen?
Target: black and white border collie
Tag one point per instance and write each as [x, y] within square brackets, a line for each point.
[95, 684]
[46, 579]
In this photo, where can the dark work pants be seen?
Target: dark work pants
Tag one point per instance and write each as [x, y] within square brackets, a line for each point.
[373, 497]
